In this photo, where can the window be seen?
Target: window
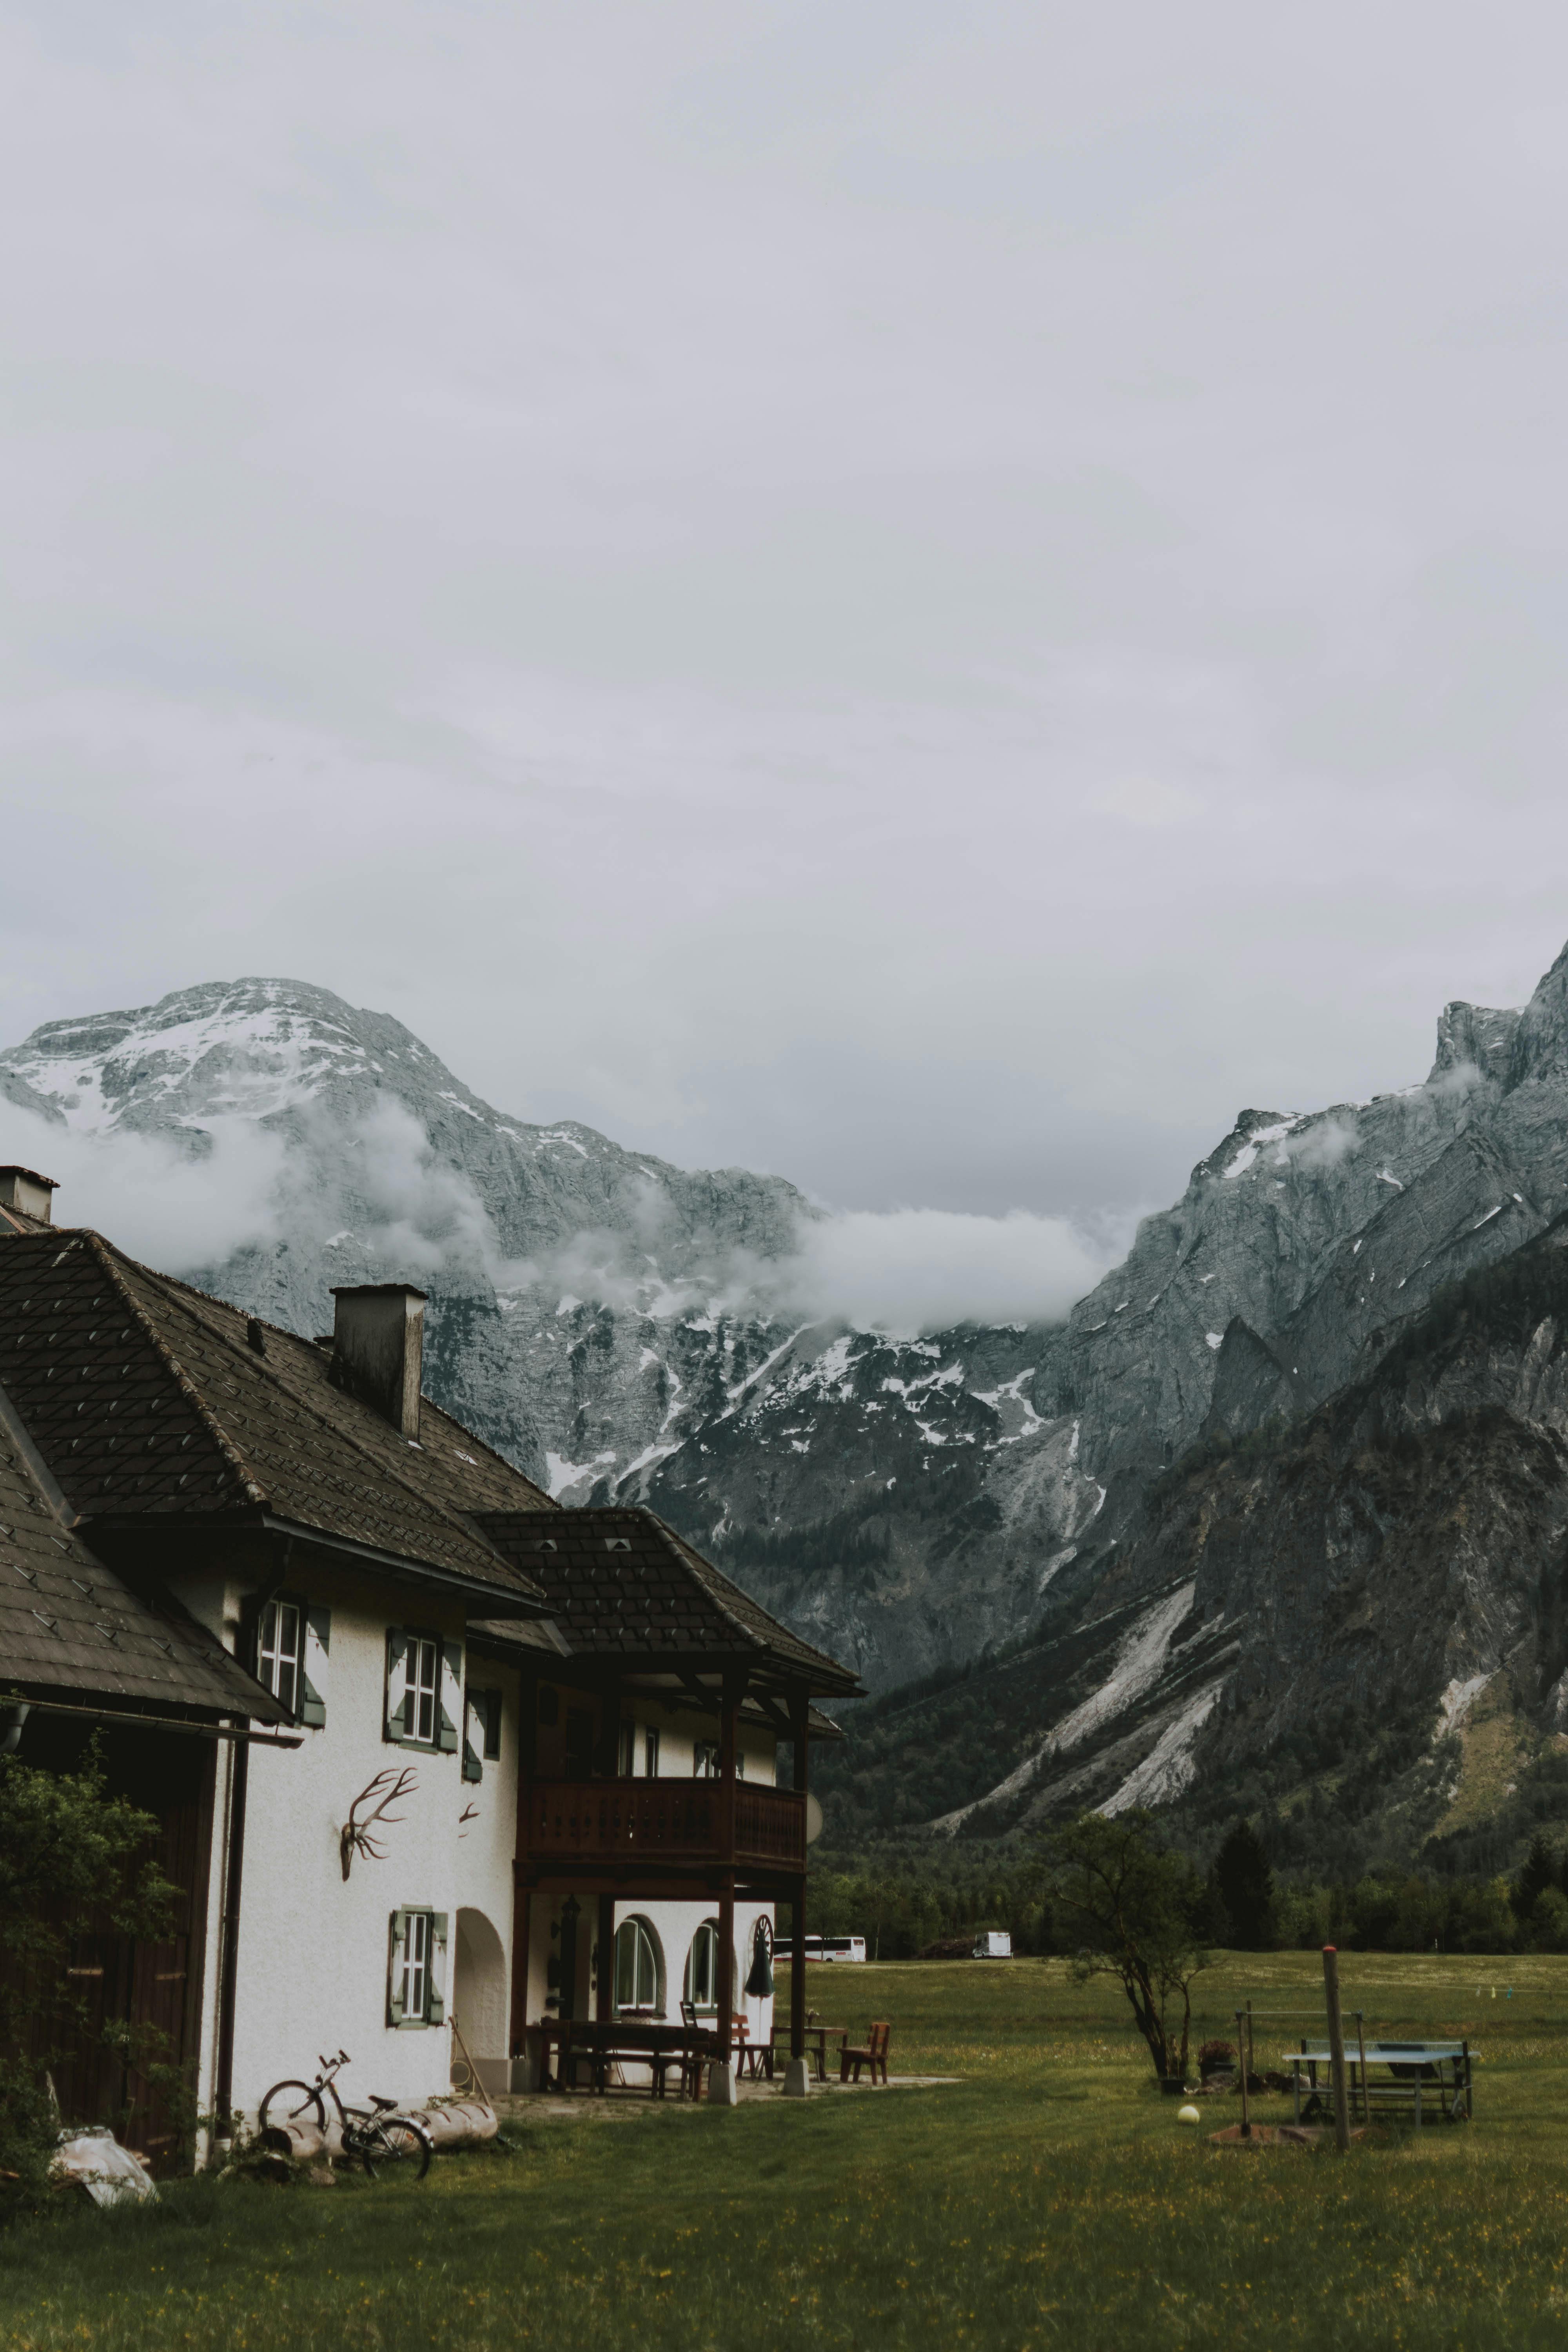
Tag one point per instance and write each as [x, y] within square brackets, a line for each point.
[424, 1689]
[702, 1967]
[650, 1750]
[277, 1652]
[293, 1639]
[636, 1967]
[625, 1750]
[705, 1759]
[482, 1739]
[422, 1681]
[416, 1969]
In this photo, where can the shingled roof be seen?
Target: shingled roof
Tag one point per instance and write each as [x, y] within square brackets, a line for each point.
[146, 1398]
[622, 1584]
[71, 1627]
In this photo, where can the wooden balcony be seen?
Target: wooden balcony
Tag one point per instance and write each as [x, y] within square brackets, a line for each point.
[670, 1822]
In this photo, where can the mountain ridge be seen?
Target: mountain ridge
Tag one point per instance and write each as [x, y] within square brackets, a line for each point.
[911, 1503]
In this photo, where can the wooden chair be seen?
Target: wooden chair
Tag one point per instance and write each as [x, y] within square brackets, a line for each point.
[691, 2061]
[874, 2054]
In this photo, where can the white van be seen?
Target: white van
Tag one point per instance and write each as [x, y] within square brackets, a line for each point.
[994, 1944]
[832, 1948]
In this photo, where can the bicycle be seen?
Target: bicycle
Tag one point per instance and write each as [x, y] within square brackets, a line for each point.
[377, 2135]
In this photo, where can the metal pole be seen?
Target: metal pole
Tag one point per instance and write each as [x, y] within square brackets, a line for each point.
[1336, 2047]
[1361, 2045]
[1241, 2046]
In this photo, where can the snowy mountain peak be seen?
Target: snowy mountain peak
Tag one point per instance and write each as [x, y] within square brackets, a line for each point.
[251, 1048]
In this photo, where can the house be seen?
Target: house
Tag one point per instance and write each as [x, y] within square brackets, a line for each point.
[650, 1821]
[87, 1655]
[530, 1758]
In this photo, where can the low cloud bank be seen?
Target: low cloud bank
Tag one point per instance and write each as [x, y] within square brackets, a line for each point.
[373, 1194]
[174, 1209]
[911, 1270]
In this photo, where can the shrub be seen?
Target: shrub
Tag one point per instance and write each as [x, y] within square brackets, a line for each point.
[71, 1854]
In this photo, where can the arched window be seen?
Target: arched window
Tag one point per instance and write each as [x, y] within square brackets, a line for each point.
[702, 1967]
[636, 1967]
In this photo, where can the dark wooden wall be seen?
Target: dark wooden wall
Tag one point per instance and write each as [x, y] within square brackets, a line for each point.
[133, 2054]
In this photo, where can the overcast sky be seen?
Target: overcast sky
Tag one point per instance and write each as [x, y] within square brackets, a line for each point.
[933, 597]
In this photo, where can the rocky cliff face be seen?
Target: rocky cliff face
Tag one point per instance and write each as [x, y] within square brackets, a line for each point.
[1359, 1617]
[610, 1321]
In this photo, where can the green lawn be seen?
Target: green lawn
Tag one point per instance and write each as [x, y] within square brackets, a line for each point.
[1050, 2199]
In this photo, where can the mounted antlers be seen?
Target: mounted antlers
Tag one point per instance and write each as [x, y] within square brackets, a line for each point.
[354, 1836]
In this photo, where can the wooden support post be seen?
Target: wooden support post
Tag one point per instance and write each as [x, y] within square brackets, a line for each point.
[797, 1973]
[726, 1988]
[798, 1714]
[729, 1708]
[526, 1738]
[609, 1763]
[1241, 2048]
[1337, 2048]
[1361, 2046]
[604, 1996]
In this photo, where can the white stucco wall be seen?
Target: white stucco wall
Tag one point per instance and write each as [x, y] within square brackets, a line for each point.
[312, 1961]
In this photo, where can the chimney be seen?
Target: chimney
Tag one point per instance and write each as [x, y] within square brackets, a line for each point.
[25, 1190]
[378, 1343]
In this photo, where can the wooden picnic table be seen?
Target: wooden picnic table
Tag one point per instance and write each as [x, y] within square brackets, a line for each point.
[604, 2041]
[823, 2035]
[1437, 2075]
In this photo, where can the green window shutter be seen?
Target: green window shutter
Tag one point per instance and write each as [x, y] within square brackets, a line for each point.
[313, 1673]
[396, 1724]
[436, 2011]
[397, 1937]
[450, 1706]
[473, 1717]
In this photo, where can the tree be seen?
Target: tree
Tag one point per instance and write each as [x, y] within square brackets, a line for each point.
[1243, 1884]
[70, 1856]
[1127, 1906]
[1537, 1873]
[1549, 1921]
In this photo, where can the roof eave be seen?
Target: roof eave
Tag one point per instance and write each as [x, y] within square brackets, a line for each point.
[498, 1601]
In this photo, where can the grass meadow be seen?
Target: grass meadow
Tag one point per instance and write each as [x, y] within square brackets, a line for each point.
[1048, 2198]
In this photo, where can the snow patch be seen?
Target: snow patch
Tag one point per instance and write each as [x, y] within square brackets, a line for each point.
[1170, 1765]
[560, 1474]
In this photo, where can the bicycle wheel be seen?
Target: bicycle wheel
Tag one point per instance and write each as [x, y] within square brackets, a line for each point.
[394, 2143]
[292, 2103]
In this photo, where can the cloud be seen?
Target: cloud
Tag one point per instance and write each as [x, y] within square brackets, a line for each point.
[182, 1210]
[1326, 1142]
[900, 1270]
[911, 1270]
[377, 1181]
[374, 1189]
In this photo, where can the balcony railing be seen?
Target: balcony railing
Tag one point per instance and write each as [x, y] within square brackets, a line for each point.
[658, 1821]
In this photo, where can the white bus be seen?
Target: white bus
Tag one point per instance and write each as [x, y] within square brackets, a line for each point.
[834, 1947]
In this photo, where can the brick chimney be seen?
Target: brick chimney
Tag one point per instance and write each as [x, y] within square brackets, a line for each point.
[378, 1345]
[25, 1190]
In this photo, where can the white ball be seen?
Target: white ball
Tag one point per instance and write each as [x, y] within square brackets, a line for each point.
[1188, 2116]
